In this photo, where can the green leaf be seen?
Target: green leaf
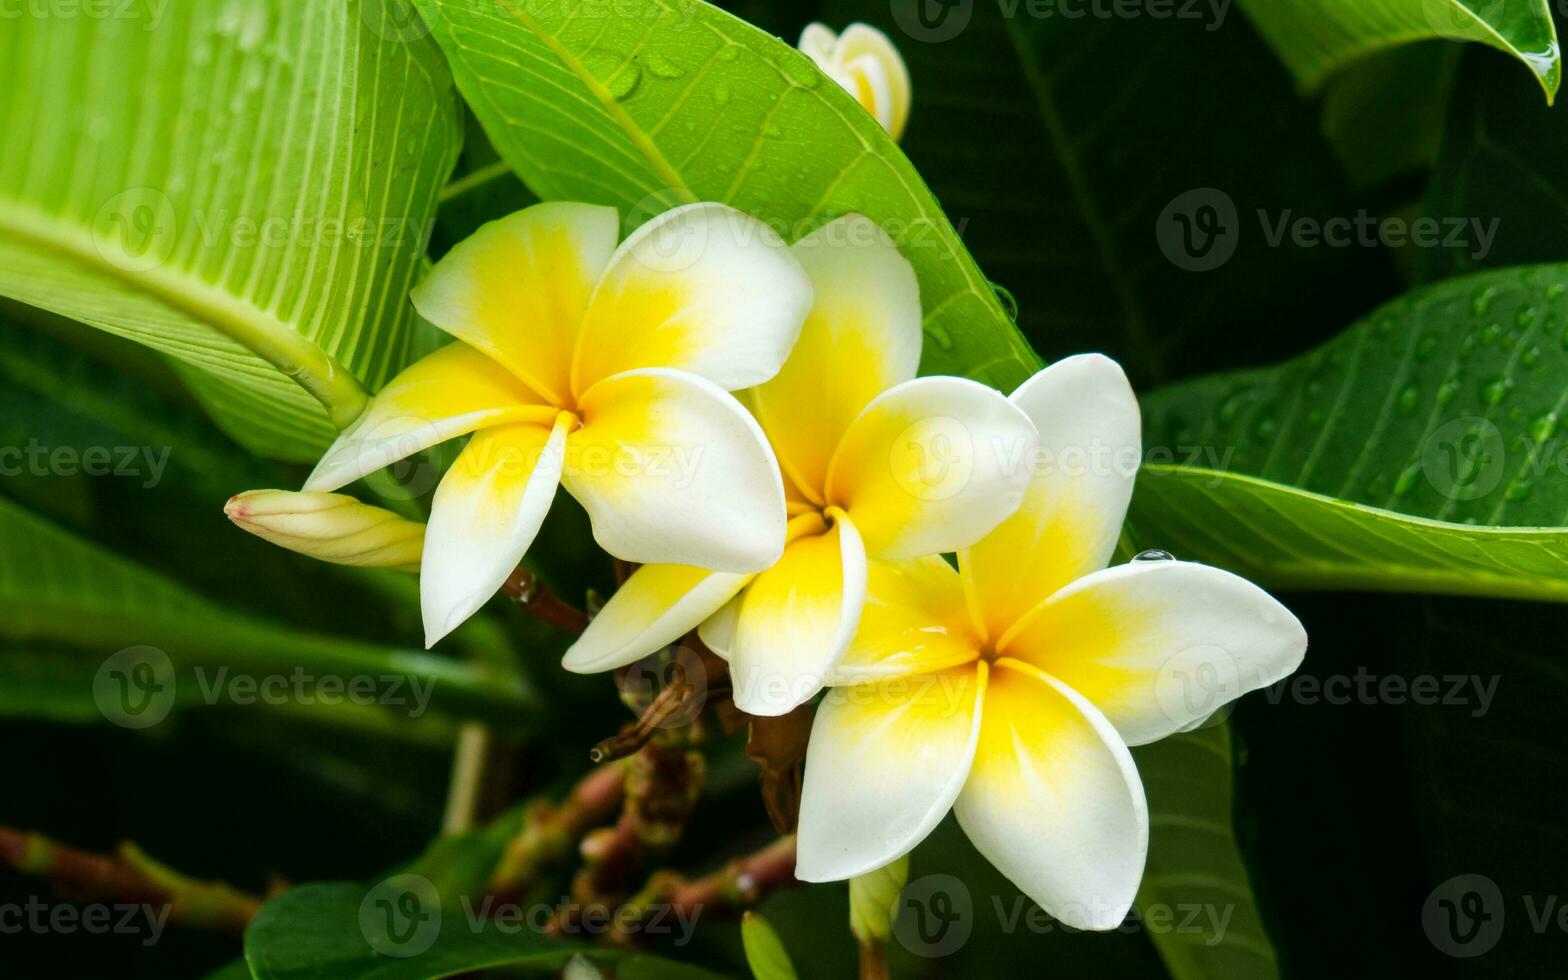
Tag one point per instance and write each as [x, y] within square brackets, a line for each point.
[344, 931]
[1195, 875]
[1504, 161]
[246, 187]
[1070, 201]
[68, 607]
[765, 952]
[1419, 451]
[1316, 37]
[237, 970]
[671, 101]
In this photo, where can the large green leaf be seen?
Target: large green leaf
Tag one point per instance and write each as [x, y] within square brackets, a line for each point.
[67, 606]
[666, 102]
[1067, 168]
[1420, 451]
[246, 186]
[1209, 925]
[1315, 37]
[339, 932]
[1503, 159]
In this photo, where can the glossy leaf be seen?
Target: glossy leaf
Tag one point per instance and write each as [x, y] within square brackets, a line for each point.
[1060, 203]
[1195, 875]
[1420, 451]
[648, 105]
[765, 952]
[1504, 160]
[67, 606]
[1316, 37]
[246, 187]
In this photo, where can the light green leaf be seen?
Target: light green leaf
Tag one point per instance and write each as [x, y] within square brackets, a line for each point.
[765, 952]
[68, 606]
[668, 101]
[245, 186]
[1195, 875]
[1315, 37]
[1419, 451]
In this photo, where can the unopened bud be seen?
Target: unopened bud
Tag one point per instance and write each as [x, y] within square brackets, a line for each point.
[866, 64]
[873, 900]
[330, 526]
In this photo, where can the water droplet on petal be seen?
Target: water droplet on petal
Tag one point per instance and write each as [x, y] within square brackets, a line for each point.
[1153, 554]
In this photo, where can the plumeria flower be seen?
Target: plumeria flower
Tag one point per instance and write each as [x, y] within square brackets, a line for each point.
[877, 463]
[1010, 689]
[603, 368]
[864, 62]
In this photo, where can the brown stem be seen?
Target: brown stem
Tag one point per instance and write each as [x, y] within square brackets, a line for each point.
[873, 960]
[539, 602]
[128, 875]
[662, 785]
[552, 831]
[739, 885]
[679, 706]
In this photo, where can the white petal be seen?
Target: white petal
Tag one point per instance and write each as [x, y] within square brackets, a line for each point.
[817, 42]
[448, 393]
[1159, 646]
[932, 466]
[883, 767]
[862, 338]
[1082, 479]
[1054, 800]
[703, 288]
[796, 620]
[672, 470]
[652, 609]
[485, 514]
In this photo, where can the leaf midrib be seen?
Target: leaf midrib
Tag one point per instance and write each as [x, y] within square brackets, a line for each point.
[617, 113]
[258, 331]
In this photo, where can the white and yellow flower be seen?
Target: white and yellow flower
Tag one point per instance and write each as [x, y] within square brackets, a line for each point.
[601, 367]
[1010, 689]
[864, 62]
[876, 463]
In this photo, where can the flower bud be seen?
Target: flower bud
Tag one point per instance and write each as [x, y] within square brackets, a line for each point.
[866, 64]
[873, 901]
[330, 526]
